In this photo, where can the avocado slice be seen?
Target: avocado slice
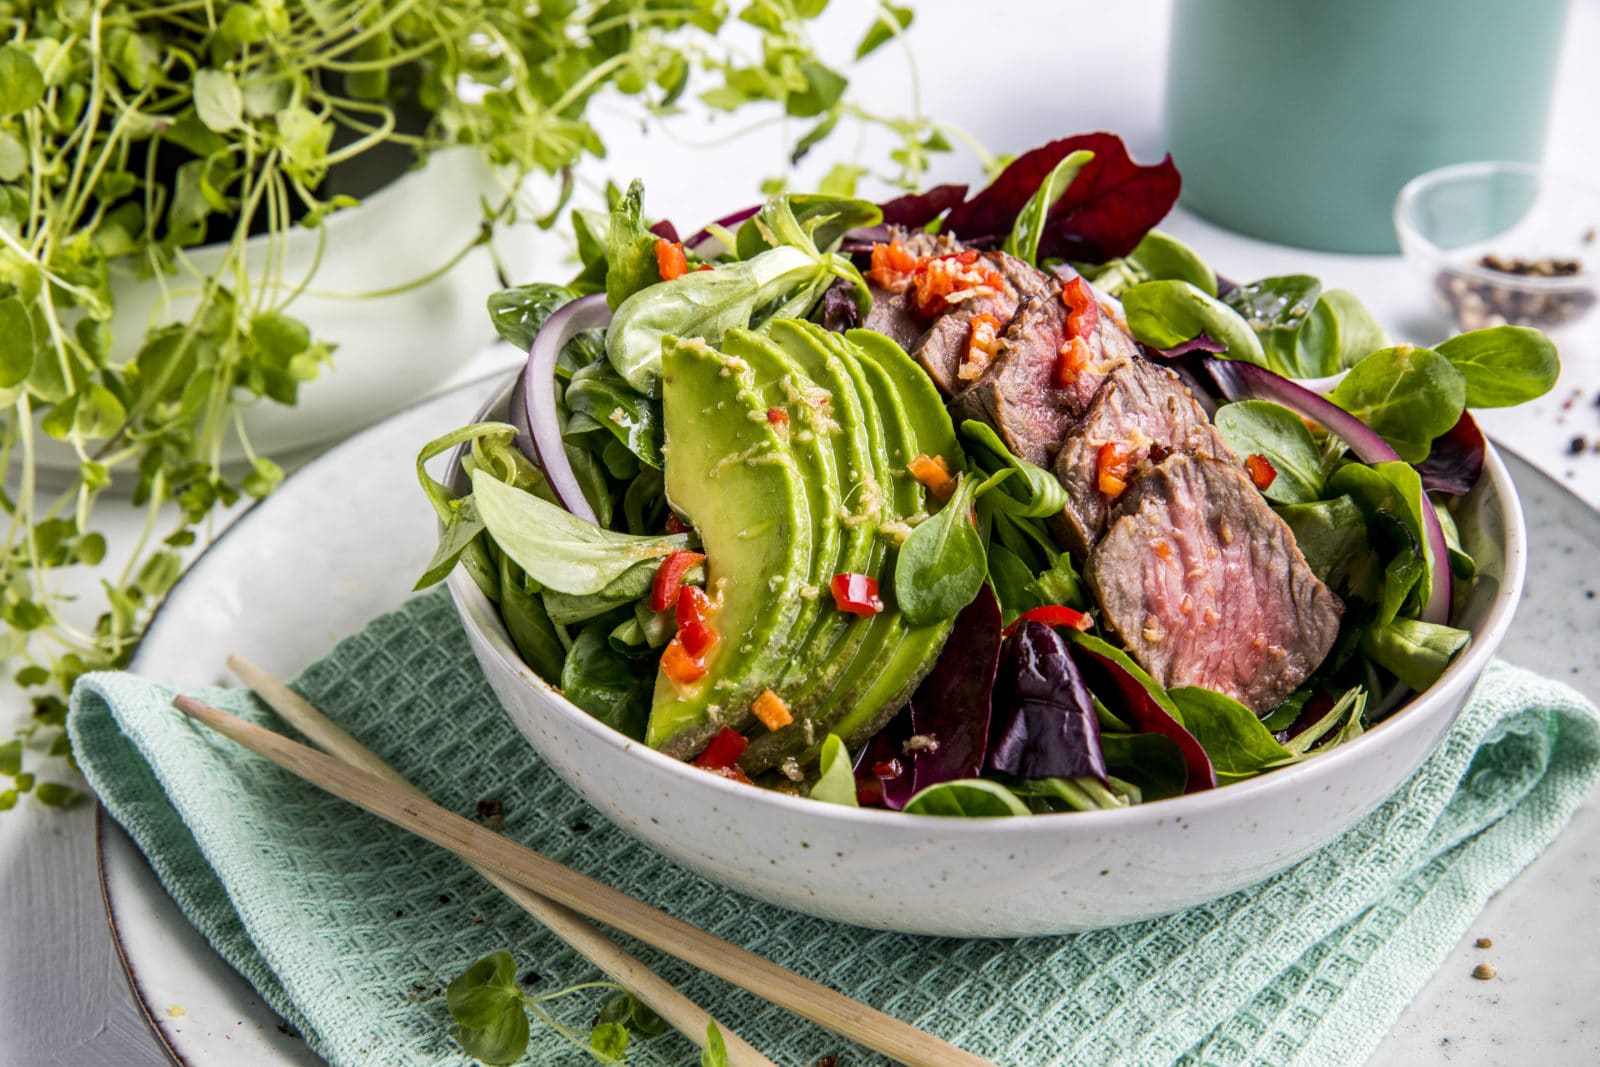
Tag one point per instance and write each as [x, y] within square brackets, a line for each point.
[919, 398]
[828, 649]
[883, 667]
[736, 479]
[784, 387]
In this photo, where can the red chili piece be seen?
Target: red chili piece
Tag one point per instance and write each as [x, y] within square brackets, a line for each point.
[1055, 615]
[777, 416]
[723, 751]
[670, 261]
[669, 578]
[856, 594]
[1262, 472]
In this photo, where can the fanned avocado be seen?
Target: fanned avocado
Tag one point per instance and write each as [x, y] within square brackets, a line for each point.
[883, 667]
[731, 473]
[828, 648]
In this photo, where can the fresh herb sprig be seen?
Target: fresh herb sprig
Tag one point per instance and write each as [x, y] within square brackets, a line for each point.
[132, 134]
[492, 1011]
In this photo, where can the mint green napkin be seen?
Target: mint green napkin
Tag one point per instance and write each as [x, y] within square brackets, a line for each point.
[351, 929]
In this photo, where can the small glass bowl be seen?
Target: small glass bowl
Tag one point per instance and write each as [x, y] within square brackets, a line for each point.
[1501, 243]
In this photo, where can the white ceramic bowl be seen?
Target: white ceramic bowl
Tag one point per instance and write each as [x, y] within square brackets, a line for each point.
[1009, 877]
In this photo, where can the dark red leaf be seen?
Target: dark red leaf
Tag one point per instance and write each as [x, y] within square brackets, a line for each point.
[951, 707]
[1456, 459]
[1045, 724]
[1108, 208]
[1133, 704]
[919, 209]
[1199, 343]
[665, 230]
[884, 752]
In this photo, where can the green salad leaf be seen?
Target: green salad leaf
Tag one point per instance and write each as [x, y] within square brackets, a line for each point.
[1234, 738]
[557, 549]
[1272, 430]
[1029, 491]
[966, 798]
[705, 304]
[836, 778]
[1158, 256]
[1165, 313]
[942, 564]
[487, 1003]
[606, 683]
[1414, 651]
[1278, 309]
[630, 248]
[1409, 395]
[1023, 241]
[1503, 365]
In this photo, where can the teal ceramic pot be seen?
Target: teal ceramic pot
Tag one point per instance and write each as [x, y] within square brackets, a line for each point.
[1299, 122]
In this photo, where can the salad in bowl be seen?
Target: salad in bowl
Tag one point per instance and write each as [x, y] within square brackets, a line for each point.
[1000, 504]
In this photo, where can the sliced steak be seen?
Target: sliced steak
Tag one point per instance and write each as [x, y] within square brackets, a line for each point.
[894, 313]
[1019, 395]
[943, 350]
[1143, 407]
[1204, 585]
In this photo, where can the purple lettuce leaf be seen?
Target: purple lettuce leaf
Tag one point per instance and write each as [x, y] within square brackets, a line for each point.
[883, 771]
[840, 312]
[950, 709]
[1105, 212]
[919, 209]
[1132, 702]
[1199, 343]
[1455, 461]
[1046, 725]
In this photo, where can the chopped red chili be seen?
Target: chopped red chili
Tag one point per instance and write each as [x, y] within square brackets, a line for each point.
[669, 578]
[1073, 357]
[723, 751]
[856, 594]
[1112, 464]
[670, 261]
[1055, 615]
[777, 416]
[676, 525]
[678, 664]
[1083, 310]
[1262, 472]
[933, 474]
[694, 632]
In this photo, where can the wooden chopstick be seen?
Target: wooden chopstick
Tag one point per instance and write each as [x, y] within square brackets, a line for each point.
[485, 848]
[681, 1013]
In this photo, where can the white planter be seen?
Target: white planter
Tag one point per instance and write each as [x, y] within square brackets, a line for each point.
[391, 350]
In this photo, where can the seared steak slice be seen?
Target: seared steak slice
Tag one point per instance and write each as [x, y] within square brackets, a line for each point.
[894, 314]
[1142, 407]
[1204, 585]
[943, 349]
[1019, 394]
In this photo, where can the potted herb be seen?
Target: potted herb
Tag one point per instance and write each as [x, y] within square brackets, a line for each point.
[169, 197]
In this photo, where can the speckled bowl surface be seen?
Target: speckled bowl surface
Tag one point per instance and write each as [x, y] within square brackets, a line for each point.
[1012, 877]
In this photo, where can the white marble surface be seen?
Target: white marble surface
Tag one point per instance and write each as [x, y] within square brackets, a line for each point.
[62, 996]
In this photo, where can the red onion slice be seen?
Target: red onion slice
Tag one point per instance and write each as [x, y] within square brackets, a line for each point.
[703, 238]
[1239, 380]
[533, 399]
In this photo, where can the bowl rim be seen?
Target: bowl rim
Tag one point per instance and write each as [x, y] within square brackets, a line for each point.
[1412, 237]
[478, 613]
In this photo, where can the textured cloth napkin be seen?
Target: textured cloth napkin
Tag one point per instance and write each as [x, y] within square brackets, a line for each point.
[351, 928]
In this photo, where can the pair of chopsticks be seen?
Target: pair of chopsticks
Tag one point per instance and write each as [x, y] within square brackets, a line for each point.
[561, 898]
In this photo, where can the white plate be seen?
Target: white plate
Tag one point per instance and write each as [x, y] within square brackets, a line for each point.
[344, 538]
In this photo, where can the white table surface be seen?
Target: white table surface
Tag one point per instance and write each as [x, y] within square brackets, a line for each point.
[63, 998]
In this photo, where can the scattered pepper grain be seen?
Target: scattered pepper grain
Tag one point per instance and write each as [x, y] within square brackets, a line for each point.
[1484, 942]
[1484, 971]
